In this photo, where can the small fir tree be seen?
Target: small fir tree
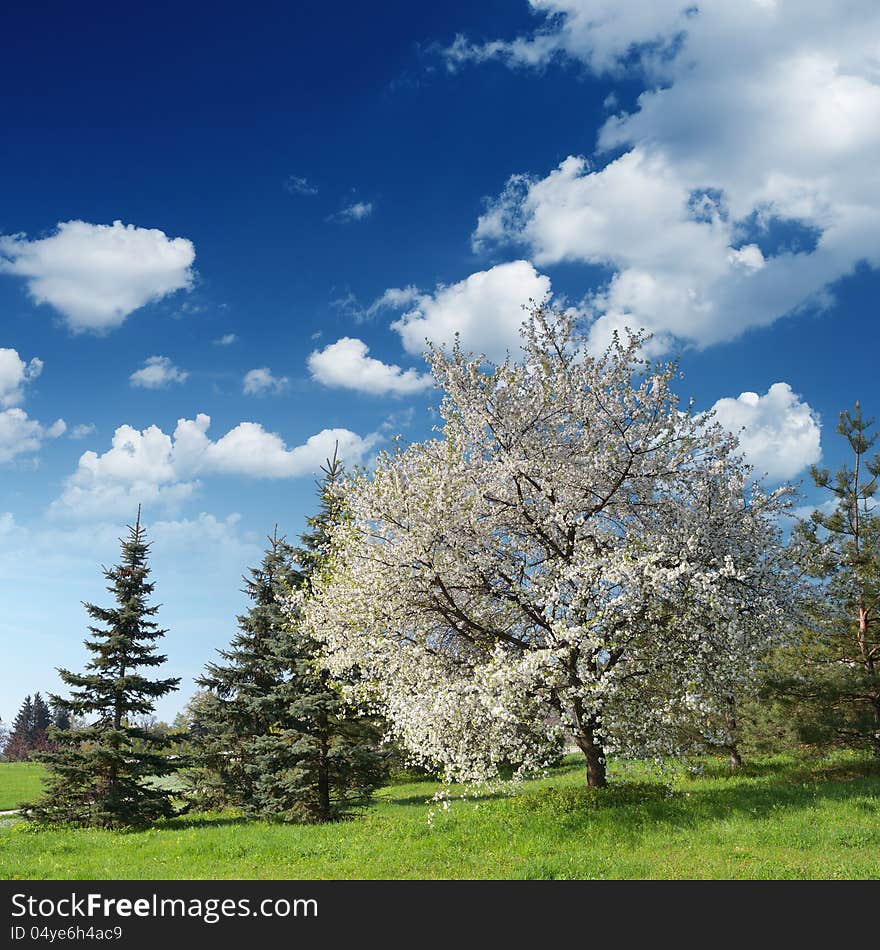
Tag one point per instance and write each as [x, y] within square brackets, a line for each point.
[233, 709]
[99, 775]
[42, 720]
[29, 733]
[18, 747]
[283, 741]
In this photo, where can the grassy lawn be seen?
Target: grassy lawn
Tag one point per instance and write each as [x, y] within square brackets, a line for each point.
[778, 818]
[19, 782]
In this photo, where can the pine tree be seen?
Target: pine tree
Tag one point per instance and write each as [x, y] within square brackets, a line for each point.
[100, 774]
[18, 742]
[832, 678]
[284, 743]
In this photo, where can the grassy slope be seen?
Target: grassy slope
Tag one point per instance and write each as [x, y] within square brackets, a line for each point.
[19, 782]
[778, 819]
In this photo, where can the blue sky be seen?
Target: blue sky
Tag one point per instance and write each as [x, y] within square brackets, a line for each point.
[305, 193]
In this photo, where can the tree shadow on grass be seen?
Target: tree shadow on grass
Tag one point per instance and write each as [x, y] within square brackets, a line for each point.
[637, 808]
[197, 820]
[428, 800]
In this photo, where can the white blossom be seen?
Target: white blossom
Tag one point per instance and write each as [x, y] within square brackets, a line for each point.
[574, 555]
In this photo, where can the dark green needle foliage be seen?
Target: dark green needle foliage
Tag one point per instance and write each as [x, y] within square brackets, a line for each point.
[101, 774]
[832, 677]
[283, 743]
[18, 742]
[29, 733]
[235, 707]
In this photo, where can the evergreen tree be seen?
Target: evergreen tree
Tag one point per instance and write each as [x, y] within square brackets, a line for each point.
[832, 677]
[99, 774]
[42, 719]
[60, 716]
[234, 709]
[283, 742]
[18, 742]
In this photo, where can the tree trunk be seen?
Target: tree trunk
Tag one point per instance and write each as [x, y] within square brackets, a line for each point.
[593, 752]
[735, 758]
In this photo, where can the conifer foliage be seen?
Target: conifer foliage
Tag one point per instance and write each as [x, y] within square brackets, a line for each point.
[236, 707]
[29, 732]
[101, 775]
[832, 677]
[281, 741]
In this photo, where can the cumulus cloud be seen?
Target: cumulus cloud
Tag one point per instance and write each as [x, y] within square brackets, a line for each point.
[757, 118]
[20, 435]
[226, 340]
[14, 374]
[158, 372]
[778, 433]
[346, 364]
[82, 431]
[356, 211]
[96, 275]
[260, 382]
[485, 309]
[155, 468]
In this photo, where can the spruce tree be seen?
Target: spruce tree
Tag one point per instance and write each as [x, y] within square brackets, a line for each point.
[42, 720]
[18, 742]
[100, 775]
[832, 677]
[60, 717]
[322, 758]
[234, 709]
[287, 746]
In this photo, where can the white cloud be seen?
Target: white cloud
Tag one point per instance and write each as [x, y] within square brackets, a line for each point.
[194, 536]
[778, 433]
[151, 467]
[805, 512]
[753, 114]
[226, 340]
[601, 33]
[356, 211]
[95, 275]
[21, 435]
[82, 431]
[346, 364]
[47, 545]
[395, 298]
[157, 373]
[485, 309]
[258, 382]
[297, 185]
[14, 374]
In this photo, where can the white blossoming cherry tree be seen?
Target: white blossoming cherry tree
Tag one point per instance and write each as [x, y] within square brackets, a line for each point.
[574, 556]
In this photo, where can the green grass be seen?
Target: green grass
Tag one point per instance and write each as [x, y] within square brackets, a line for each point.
[778, 818]
[20, 782]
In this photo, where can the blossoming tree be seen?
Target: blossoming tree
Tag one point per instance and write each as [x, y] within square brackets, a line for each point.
[573, 555]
